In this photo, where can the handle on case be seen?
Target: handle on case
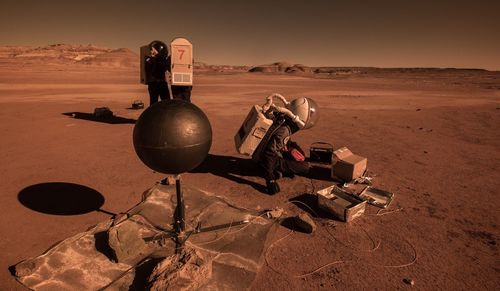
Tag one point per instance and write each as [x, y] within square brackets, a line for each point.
[322, 143]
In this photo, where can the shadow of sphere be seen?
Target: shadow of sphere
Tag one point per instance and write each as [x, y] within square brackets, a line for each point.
[60, 198]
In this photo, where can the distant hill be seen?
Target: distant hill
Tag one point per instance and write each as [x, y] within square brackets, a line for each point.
[282, 67]
[89, 55]
[122, 57]
[287, 68]
[61, 54]
[94, 56]
[203, 67]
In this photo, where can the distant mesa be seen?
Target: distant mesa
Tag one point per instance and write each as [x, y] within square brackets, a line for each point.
[200, 66]
[285, 67]
[278, 67]
[64, 54]
[122, 57]
[203, 67]
[90, 56]
[299, 68]
[98, 57]
[282, 67]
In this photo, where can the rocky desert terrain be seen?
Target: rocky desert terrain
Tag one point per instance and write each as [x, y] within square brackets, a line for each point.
[431, 137]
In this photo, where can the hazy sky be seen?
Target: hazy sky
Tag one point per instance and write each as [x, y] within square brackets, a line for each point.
[387, 33]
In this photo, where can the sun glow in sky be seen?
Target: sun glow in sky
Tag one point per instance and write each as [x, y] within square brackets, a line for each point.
[386, 33]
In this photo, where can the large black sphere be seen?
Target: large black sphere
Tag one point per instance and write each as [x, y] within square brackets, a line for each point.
[172, 136]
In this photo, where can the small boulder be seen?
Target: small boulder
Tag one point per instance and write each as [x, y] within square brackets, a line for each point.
[126, 241]
[188, 270]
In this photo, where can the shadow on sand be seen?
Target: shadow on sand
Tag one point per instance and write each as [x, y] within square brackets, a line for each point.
[110, 119]
[59, 198]
[320, 172]
[231, 168]
[309, 203]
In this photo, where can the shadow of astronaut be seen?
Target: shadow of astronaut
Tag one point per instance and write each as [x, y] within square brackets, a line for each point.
[231, 168]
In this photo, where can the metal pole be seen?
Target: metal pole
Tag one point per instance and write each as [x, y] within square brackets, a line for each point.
[180, 217]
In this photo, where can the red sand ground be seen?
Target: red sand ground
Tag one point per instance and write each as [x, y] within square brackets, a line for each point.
[432, 138]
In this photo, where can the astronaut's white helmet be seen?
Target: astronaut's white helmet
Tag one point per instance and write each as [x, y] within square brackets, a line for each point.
[306, 110]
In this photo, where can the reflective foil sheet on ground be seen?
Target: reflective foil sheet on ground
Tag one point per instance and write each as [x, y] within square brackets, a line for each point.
[138, 249]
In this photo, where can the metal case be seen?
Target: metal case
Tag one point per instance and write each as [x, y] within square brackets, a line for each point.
[340, 203]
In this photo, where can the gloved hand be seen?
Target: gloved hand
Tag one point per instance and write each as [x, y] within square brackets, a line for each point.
[272, 187]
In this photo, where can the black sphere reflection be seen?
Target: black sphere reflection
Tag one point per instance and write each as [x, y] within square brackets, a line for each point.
[172, 136]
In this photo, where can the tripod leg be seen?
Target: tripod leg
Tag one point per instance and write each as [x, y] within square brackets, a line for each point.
[180, 214]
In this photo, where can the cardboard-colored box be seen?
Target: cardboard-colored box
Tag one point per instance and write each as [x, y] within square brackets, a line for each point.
[341, 153]
[340, 203]
[348, 166]
[252, 131]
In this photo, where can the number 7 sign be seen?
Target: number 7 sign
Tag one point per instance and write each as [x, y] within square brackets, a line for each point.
[181, 62]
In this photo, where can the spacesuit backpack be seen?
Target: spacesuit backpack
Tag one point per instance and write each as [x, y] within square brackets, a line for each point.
[261, 121]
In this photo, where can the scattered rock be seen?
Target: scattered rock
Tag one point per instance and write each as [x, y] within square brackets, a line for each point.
[169, 180]
[126, 242]
[188, 270]
[275, 213]
[25, 268]
[409, 281]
